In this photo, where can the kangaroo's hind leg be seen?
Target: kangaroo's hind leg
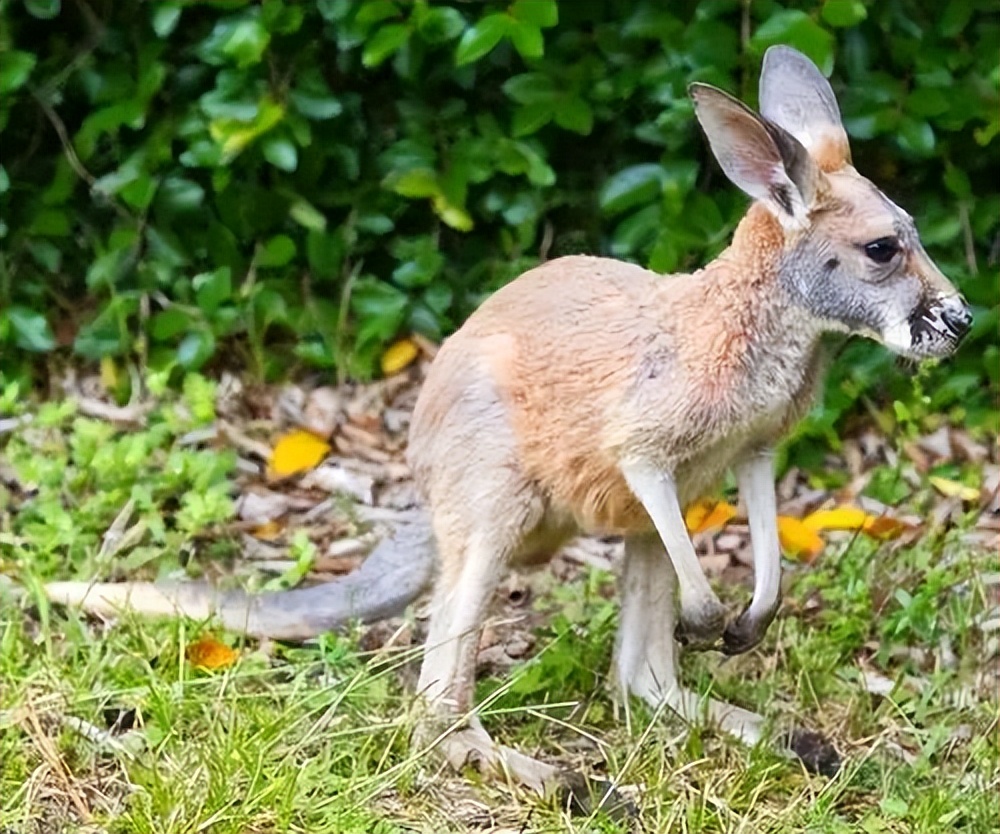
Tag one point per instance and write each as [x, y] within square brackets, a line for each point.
[483, 510]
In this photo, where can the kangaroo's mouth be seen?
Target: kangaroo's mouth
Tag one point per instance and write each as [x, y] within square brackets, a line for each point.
[937, 327]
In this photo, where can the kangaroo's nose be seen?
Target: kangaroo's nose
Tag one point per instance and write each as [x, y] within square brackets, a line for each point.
[957, 316]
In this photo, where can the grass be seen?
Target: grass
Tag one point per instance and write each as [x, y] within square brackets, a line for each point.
[316, 738]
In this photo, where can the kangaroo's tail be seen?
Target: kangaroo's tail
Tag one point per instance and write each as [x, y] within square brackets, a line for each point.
[399, 568]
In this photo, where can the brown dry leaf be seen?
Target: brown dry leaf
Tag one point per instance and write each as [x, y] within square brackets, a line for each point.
[706, 514]
[954, 489]
[398, 355]
[798, 540]
[296, 452]
[209, 653]
[885, 527]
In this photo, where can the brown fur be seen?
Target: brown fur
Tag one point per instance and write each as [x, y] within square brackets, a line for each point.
[594, 358]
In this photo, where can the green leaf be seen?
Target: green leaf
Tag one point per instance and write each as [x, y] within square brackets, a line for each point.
[384, 43]
[278, 251]
[374, 223]
[927, 101]
[543, 13]
[575, 114]
[178, 194]
[916, 136]
[281, 152]
[31, 330]
[416, 183]
[335, 10]
[481, 39]
[47, 255]
[50, 222]
[212, 288]
[636, 232]
[630, 187]
[527, 40]
[440, 24]
[247, 43]
[165, 18]
[15, 67]
[167, 324]
[196, 349]
[530, 118]
[375, 11]
[43, 9]
[453, 215]
[844, 13]
[957, 181]
[316, 104]
[242, 39]
[531, 88]
[325, 253]
[140, 192]
[4, 180]
[306, 214]
[380, 308]
[798, 29]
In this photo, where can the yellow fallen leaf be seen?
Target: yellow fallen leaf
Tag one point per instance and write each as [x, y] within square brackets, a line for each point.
[852, 518]
[798, 540]
[295, 452]
[705, 514]
[954, 489]
[268, 531]
[209, 653]
[840, 518]
[398, 355]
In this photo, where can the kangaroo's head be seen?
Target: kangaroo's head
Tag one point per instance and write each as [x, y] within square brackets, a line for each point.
[852, 258]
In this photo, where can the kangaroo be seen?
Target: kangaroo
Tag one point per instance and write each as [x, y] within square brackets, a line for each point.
[593, 395]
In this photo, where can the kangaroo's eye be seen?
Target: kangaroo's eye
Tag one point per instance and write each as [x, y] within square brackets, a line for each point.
[882, 250]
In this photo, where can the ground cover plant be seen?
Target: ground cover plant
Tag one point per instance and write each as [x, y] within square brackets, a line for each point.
[889, 647]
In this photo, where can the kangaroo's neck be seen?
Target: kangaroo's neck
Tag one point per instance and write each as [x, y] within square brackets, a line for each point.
[746, 326]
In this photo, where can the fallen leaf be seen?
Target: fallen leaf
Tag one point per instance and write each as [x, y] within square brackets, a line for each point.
[954, 489]
[398, 355]
[209, 653]
[841, 518]
[885, 527]
[296, 452]
[853, 518]
[268, 531]
[705, 514]
[798, 540]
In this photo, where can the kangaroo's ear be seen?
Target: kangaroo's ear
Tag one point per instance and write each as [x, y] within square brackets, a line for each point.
[761, 158]
[795, 95]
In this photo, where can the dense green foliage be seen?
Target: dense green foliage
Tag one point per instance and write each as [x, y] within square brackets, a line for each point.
[303, 182]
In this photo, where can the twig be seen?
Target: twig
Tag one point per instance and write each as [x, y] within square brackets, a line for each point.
[67, 145]
[970, 243]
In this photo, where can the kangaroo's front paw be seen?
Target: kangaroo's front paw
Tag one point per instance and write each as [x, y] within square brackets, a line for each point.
[701, 627]
[746, 631]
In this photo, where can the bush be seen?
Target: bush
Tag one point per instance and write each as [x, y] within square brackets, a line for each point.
[279, 182]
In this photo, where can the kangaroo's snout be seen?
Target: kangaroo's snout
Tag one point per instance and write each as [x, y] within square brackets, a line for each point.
[937, 327]
[957, 316]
